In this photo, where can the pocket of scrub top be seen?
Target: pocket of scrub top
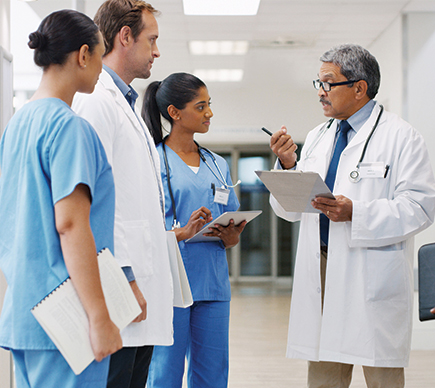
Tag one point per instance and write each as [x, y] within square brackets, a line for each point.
[140, 246]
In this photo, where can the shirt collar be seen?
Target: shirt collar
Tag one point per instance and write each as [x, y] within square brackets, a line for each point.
[127, 91]
[358, 119]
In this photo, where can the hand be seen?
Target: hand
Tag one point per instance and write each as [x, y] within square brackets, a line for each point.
[433, 311]
[283, 146]
[141, 300]
[197, 220]
[228, 234]
[337, 210]
[105, 338]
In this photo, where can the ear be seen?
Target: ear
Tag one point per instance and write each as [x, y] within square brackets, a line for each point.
[83, 56]
[173, 112]
[125, 36]
[361, 89]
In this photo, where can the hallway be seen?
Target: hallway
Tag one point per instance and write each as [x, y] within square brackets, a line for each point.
[258, 336]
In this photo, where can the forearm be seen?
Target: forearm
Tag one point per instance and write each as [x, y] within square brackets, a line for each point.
[80, 257]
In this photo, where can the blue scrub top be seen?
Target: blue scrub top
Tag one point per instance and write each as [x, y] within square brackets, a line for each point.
[206, 262]
[45, 152]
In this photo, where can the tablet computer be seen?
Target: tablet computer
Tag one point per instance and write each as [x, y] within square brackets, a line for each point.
[224, 220]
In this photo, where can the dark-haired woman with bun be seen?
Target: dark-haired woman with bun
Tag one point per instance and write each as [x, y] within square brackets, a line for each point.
[198, 188]
[56, 207]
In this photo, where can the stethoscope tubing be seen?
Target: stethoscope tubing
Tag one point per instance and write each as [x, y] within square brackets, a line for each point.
[222, 179]
[354, 174]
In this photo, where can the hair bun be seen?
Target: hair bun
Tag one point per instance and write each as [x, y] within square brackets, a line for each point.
[37, 40]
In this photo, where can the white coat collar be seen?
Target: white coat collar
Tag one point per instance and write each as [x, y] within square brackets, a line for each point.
[365, 130]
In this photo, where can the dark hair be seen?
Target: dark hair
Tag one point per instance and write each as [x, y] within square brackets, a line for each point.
[115, 14]
[356, 63]
[61, 33]
[178, 89]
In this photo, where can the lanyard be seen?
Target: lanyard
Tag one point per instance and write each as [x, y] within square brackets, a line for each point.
[221, 179]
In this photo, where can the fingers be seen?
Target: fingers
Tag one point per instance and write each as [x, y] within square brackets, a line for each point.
[283, 146]
[337, 210]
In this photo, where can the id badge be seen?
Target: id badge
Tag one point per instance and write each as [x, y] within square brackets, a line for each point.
[372, 170]
[221, 195]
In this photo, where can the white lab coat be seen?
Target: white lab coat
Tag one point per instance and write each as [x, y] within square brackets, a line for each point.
[140, 237]
[367, 315]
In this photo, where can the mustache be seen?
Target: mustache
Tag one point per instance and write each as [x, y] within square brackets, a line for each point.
[322, 100]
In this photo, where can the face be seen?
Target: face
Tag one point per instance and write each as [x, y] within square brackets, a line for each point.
[196, 115]
[94, 65]
[144, 49]
[340, 102]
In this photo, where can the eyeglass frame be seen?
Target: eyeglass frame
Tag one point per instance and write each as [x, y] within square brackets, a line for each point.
[321, 84]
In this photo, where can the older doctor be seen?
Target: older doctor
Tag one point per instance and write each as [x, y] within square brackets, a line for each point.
[353, 286]
[130, 33]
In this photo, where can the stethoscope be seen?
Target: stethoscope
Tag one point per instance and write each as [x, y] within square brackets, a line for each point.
[221, 179]
[354, 175]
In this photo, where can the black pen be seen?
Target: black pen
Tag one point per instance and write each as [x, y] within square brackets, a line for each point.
[387, 167]
[267, 131]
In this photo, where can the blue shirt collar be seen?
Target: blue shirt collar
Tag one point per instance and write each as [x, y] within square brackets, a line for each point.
[358, 119]
[127, 91]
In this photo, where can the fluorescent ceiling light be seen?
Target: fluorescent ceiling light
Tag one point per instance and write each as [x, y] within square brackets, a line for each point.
[219, 75]
[214, 47]
[221, 7]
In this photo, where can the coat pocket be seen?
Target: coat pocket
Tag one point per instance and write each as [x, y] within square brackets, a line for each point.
[140, 247]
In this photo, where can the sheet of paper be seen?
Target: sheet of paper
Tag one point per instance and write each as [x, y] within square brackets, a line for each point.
[64, 319]
[182, 293]
[294, 190]
[224, 219]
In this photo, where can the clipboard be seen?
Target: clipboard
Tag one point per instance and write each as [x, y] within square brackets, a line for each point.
[294, 190]
[224, 220]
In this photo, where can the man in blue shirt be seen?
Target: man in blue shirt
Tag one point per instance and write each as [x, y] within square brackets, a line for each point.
[130, 33]
[353, 285]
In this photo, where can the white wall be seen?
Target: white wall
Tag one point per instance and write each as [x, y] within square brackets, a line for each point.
[419, 103]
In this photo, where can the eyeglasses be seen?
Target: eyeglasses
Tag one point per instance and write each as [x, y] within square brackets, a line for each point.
[327, 85]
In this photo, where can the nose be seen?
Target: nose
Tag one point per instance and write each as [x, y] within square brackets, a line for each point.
[209, 113]
[321, 92]
[156, 52]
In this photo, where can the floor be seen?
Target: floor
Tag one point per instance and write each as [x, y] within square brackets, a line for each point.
[258, 335]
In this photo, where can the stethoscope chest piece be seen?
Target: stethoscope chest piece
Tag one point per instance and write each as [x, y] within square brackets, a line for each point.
[355, 176]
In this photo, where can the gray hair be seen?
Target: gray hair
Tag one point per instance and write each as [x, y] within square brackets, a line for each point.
[356, 63]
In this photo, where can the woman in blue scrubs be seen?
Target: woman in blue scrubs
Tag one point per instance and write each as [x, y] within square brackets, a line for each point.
[201, 190]
[56, 207]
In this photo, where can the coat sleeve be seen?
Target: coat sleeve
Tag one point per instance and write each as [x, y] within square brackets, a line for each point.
[100, 110]
[408, 209]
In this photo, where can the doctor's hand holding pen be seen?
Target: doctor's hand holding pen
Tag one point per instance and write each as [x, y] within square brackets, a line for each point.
[197, 220]
[283, 147]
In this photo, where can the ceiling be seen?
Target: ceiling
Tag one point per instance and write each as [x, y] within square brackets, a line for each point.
[286, 36]
[286, 39]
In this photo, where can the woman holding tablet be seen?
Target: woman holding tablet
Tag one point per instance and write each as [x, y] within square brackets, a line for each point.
[193, 176]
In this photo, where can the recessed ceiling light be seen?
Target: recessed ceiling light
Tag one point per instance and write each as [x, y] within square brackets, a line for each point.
[219, 75]
[214, 47]
[221, 7]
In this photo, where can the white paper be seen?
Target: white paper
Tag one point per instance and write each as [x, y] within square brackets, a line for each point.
[64, 319]
[182, 293]
[224, 220]
[294, 190]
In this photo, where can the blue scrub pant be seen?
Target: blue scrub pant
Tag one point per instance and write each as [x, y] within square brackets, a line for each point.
[48, 369]
[201, 335]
